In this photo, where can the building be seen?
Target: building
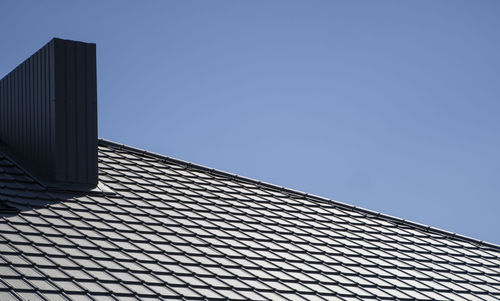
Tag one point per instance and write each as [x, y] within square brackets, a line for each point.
[83, 218]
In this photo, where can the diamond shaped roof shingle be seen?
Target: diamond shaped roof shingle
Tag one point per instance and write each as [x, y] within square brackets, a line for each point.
[160, 228]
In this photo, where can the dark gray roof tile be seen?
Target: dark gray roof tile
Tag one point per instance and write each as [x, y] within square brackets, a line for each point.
[163, 228]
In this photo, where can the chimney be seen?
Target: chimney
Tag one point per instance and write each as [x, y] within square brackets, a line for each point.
[48, 115]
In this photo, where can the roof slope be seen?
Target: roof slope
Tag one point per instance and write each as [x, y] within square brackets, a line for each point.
[159, 228]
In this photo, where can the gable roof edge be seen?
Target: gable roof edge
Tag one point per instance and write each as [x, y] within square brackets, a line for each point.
[313, 197]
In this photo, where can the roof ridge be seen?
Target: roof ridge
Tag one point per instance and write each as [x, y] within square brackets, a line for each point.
[397, 220]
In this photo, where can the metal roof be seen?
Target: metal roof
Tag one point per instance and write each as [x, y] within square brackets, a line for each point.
[160, 228]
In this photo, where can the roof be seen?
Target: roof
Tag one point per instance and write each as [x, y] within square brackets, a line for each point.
[161, 228]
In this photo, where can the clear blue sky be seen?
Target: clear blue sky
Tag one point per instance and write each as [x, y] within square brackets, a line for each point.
[389, 105]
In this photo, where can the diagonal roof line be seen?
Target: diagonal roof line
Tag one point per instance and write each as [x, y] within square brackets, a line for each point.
[397, 220]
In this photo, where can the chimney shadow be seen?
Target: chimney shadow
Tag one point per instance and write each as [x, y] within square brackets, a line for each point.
[21, 191]
[29, 200]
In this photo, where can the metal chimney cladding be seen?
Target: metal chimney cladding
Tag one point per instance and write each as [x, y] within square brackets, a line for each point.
[48, 115]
